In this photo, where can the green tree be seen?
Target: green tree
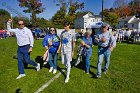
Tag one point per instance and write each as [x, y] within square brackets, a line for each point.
[68, 10]
[32, 6]
[112, 19]
[4, 16]
[43, 23]
[59, 17]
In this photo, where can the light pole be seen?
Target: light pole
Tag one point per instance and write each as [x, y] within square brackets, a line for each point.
[12, 20]
[102, 10]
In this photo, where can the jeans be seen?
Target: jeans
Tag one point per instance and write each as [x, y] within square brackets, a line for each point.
[86, 60]
[53, 60]
[103, 53]
[23, 53]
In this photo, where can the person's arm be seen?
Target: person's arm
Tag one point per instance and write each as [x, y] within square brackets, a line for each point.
[112, 43]
[73, 42]
[31, 38]
[60, 46]
[9, 26]
[88, 45]
[45, 42]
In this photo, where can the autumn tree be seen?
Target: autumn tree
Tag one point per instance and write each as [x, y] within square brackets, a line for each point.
[135, 7]
[121, 8]
[31, 6]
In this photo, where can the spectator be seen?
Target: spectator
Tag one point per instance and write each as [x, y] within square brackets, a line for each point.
[87, 50]
[51, 42]
[106, 44]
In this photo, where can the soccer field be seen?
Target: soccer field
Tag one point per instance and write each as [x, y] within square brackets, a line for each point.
[123, 75]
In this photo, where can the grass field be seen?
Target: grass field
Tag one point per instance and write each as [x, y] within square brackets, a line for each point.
[123, 75]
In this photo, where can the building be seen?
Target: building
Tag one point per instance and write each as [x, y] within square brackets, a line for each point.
[85, 20]
[131, 22]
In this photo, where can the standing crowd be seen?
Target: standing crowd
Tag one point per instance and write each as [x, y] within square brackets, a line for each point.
[128, 35]
[64, 44]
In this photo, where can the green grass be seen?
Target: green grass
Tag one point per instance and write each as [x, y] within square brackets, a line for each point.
[123, 75]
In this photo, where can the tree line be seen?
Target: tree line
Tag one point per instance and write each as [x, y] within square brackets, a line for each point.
[69, 10]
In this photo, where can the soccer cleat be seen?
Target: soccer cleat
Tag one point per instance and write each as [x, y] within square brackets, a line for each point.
[67, 80]
[38, 67]
[51, 68]
[20, 76]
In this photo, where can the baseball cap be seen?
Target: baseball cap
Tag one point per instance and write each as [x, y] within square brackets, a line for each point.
[104, 25]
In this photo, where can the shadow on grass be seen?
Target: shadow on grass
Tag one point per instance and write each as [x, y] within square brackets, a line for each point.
[18, 90]
[81, 66]
[61, 70]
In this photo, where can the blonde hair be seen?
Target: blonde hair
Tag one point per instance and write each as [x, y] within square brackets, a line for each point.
[88, 32]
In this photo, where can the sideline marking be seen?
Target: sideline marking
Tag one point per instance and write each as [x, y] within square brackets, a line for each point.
[49, 82]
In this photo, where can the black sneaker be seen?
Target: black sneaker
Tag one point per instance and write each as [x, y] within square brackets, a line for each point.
[104, 71]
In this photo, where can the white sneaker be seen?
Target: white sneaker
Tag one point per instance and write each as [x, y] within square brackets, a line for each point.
[38, 67]
[67, 80]
[20, 76]
[54, 71]
[51, 68]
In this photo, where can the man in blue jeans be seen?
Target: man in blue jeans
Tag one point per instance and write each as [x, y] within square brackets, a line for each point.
[106, 43]
[25, 43]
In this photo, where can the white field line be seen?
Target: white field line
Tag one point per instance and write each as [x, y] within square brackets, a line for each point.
[49, 82]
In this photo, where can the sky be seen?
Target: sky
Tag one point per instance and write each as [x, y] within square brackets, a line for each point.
[12, 6]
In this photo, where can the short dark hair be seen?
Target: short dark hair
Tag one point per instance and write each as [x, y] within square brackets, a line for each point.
[22, 21]
[66, 23]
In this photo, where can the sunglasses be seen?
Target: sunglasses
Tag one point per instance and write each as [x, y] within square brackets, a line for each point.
[52, 30]
[20, 24]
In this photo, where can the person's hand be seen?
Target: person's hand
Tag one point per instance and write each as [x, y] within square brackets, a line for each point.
[30, 50]
[46, 47]
[103, 39]
[82, 43]
[50, 43]
[58, 51]
[111, 48]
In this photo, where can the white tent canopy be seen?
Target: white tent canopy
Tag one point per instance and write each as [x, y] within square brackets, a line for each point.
[97, 25]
